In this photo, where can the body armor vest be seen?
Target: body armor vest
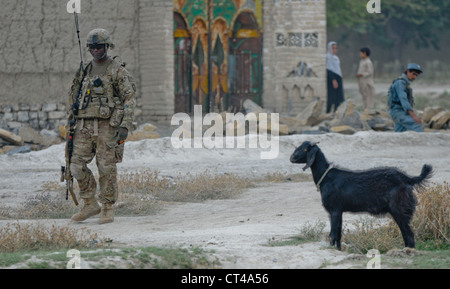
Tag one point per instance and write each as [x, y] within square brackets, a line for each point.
[409, 93]
[99, 99]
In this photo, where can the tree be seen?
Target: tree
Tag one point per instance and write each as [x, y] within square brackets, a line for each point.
[421, 22]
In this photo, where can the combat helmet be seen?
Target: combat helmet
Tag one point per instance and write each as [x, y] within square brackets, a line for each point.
[99, 36]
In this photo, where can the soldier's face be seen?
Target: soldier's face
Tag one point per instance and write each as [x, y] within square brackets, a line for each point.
[98, 51]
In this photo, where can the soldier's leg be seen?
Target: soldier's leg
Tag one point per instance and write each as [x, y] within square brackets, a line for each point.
[107, 170]
[83, 153]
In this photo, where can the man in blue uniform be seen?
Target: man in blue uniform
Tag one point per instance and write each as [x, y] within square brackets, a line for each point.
[401, 101]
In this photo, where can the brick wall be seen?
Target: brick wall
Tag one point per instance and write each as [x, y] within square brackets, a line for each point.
[156, 59]
[294, 54]
[40, 55]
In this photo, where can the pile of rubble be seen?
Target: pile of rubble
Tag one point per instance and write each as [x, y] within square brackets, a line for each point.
[28, 139]
[346, 119]
[312, 120]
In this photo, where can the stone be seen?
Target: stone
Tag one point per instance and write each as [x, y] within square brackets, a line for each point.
[311, 115]
[145, 131]
[20, 150]
[343, 129]
[10, 137]
[56, 115]
[29, 135]
[440, 120]
[49, 137]
[47, 107]
[23, 116]
[378, 120]
[429, 112]
[346, 114]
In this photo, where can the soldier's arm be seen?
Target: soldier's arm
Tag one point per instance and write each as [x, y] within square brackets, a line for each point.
[127, 90]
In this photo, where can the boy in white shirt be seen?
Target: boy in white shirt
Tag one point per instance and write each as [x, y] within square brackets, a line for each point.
[365, 79]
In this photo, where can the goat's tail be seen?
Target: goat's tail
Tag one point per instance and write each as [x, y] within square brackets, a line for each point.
[425, 175]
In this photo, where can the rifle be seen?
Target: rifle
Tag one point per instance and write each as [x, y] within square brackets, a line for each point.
[66, 175]
[65, 170]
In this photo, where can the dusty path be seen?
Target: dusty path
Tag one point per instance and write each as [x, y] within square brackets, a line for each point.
[238, 230]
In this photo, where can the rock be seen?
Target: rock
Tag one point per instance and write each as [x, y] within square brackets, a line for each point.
[29, 135]
[144, 131]
[343, 129]
[347, 115]
[43, 139]
[311, 115]
[430, 112]
[62, 131]
[378, 120]
[49, 137]
[292, 124]
[19, 150]
[267, 127]
[10, 137]
[440, 120]
[251, 106]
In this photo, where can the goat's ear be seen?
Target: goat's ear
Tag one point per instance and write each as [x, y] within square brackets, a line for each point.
[310, 157]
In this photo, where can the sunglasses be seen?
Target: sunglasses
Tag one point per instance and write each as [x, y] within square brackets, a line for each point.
[96, 46]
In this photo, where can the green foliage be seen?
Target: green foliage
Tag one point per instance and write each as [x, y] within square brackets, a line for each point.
[419, 21]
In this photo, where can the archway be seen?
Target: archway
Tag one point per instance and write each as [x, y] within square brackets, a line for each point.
[245, 69]
[183, 65]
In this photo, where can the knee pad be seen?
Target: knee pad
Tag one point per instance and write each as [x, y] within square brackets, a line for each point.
[78, 171]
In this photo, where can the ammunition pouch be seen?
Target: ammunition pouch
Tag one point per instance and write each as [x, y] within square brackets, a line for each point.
[99, 98]
[99, 101]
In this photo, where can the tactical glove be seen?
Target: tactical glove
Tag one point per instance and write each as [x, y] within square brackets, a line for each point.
[122, 133]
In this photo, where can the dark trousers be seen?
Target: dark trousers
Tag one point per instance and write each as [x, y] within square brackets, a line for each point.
[335, 96]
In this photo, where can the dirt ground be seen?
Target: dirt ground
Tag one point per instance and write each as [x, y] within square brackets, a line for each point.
[237, 230]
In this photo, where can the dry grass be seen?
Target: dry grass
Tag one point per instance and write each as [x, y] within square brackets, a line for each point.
[35, 236]
[282, 177]
[369, 234]
[183, 188]
[431, 225]
[140, 193]
[431, 222]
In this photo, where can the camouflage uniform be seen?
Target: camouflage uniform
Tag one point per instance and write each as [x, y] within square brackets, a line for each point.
[106, 103]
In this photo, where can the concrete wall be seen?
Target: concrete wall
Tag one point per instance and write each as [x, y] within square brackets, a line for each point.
[39, 55]
[294, 32]
[156, 59]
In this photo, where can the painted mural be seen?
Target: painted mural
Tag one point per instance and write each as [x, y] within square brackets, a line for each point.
[235, 44]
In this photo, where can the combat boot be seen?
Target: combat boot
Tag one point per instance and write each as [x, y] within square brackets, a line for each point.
[91, 208]
[107, 214]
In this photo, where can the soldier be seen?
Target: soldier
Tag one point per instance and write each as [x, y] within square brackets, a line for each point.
[104, 112]
[401, 101]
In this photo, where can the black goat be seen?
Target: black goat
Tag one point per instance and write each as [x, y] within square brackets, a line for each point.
[377, 191]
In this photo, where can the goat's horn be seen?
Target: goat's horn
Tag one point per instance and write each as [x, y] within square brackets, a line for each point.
[314, 143]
